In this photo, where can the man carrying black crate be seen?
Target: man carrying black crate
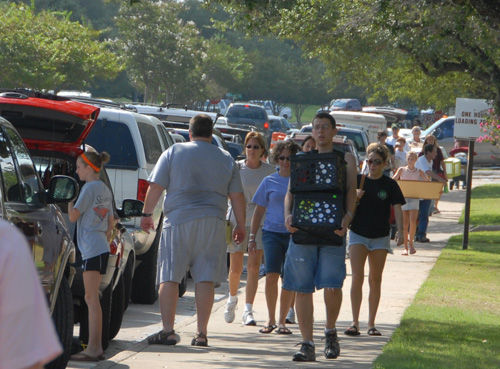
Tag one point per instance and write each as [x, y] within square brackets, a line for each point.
[320, 264]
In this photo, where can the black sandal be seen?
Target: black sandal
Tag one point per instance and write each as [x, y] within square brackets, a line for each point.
[373, 332]
[164, 338]
[200, 340]
[352, 331]
[283, 330]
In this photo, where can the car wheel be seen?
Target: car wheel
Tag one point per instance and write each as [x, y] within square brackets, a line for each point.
[128, 275]
[183, 286]
[106, 300]
[117, 308]
[144, 289]
[63, 321]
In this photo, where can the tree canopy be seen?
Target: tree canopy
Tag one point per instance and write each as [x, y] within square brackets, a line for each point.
[46, 50]
[393, 49]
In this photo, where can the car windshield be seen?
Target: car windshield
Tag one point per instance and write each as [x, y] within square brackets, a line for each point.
[355, 137]
[340, 103]
[246, 111]
[432, 127]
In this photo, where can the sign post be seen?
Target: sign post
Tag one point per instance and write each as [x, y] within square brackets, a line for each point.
[469, 114]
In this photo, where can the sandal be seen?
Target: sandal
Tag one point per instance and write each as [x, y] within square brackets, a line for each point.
[412, 250]
[352, 331]
[283, 330]
[268, 329]
[373, 332]
[200, 340]
[164, 338]
[405, 253]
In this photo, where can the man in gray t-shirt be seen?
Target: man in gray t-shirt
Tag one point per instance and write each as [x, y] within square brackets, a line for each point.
[198, 178]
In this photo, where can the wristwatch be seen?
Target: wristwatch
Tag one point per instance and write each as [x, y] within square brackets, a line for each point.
[147, 214]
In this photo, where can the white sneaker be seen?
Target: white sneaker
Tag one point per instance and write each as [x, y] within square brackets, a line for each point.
[248, 318]
[290, 317]
[230, 309]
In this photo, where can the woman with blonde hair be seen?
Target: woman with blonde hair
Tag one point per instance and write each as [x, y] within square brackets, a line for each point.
[252, 171]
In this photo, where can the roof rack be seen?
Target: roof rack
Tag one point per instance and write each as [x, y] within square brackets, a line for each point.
[101, 103]
[33, 93]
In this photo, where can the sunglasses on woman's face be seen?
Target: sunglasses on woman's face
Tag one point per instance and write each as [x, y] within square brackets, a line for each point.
[287, 158]
[374, 162]
[255, 147]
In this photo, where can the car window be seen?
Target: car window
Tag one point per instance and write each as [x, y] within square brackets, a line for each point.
[355, 137]
[115, 138]
[243, 111]
[445, 130]
[31, 185]
[11, 183]
[151, 142]
[165, 137]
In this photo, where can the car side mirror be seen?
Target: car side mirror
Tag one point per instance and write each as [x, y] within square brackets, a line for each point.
[62, 189]
[130, 208]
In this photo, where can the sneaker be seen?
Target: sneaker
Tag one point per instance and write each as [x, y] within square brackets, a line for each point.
[164, 338]
[290, 317]
[230, 309]
[332, 348]
[306, 353]
[248, 318]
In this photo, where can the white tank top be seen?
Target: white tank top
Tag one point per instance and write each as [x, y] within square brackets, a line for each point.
[410, 175]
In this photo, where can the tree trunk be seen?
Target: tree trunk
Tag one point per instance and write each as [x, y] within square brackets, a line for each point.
[298, 110]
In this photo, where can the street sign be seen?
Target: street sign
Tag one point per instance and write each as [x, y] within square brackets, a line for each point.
[468, 114]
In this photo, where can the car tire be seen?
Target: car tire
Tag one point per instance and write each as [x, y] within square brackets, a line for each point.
[128, 277]
[63, 321]
[117, 308]
[183, 286]
[106, 302]
[144, 289]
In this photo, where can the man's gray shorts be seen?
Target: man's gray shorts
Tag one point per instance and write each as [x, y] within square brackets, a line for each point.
[198, 245]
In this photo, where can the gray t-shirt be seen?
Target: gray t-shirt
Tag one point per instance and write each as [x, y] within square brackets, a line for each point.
[198, 177]
[251, 179]
[95, 204]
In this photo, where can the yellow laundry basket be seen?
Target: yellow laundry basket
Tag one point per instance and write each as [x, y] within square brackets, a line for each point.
[453, 167]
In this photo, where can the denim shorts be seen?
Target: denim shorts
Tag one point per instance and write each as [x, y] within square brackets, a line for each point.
[275, 246]
[380, 243]
[309, 267]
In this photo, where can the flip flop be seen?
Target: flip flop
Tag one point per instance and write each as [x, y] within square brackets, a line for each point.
[373, 332]
[352, 331]
[283, 330]
[268, 329]
[82, 356]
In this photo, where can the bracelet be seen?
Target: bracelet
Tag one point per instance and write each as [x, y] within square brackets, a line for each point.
[147, 214]
[251, 234]
[253, 241]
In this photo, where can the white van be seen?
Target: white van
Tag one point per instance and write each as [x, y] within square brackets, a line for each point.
[443, 130]
[370, 123]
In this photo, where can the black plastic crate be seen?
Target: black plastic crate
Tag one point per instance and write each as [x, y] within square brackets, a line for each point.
[323, 209]
[317, 172]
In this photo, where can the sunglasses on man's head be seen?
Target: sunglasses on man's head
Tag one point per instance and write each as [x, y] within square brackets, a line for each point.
[374, 161]
[287, 158]
[255, 147]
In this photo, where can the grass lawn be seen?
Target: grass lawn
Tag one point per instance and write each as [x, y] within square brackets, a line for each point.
[309, 114]
[454, 321]
[485, 205]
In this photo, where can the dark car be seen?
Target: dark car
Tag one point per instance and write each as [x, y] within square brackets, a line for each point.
[54, 128]
[248, 115]
[345, 104]
[27, 204]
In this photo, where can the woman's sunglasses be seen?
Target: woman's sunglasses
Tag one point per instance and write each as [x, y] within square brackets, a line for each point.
[287, 158]
[255, 147]
[374, 161]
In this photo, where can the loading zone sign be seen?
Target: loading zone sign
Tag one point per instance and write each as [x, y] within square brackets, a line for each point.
[468, 114]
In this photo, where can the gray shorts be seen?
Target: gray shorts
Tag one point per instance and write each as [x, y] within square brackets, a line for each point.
[198, 246]
[411, 204]
[243, 246]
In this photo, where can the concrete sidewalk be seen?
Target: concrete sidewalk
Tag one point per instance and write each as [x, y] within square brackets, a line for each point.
[237, 346]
